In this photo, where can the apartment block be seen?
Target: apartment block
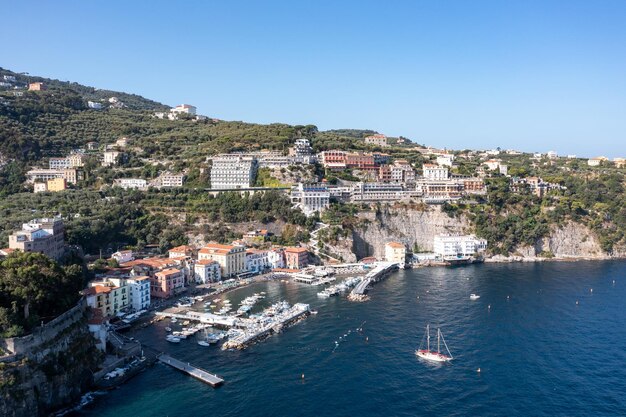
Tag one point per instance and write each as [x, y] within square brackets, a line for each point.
[206, 271]
[231, 258]
[310, 198]
[40, 235]
[233, 171]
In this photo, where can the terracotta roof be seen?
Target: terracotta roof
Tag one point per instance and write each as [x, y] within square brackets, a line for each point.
[206, 262]
[151, 262]
[218, 246]
[296, 250]
[142, 278]
[214, 251]
[98, 289]
[170, 271]
[182, 248]
[396, 245]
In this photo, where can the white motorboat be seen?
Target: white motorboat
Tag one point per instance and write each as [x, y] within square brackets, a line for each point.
[173, 339]
[432, 355]
[474, 296]
[203, 343]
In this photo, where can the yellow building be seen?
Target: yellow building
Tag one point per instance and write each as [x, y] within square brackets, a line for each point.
[107, 297]
[395, 252]
[57, 184]
[232, 259]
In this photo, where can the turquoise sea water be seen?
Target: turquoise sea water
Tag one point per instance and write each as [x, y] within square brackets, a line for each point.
[539, 352]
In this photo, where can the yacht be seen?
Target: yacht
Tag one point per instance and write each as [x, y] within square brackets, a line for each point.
[432, 355]
[474, 296]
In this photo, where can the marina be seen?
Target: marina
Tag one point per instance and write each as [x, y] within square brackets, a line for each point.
[272, 320]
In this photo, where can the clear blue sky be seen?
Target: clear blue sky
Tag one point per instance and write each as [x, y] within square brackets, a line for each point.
[531, 75]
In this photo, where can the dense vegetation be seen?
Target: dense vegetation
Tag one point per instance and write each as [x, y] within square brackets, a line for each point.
[116, 218]
[34, 288]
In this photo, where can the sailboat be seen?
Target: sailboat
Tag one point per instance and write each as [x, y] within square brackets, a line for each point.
[432, 355]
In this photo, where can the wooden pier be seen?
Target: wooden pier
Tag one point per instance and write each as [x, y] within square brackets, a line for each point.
[191, 370]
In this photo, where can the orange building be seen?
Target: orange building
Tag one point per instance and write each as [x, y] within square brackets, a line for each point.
[37, 86]
[296, 258]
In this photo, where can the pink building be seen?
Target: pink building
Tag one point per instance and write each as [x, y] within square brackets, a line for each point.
[296, 258]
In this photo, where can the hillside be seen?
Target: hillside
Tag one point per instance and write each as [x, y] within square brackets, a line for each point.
[37, 125]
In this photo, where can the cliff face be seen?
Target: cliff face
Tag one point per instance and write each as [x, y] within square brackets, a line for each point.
[416, 227]
[409, 226]
[49, 373]
[569, 241]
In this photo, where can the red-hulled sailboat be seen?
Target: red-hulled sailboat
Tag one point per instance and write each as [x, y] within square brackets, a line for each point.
[432, 355]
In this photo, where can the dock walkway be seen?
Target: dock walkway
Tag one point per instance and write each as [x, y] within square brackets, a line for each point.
[191, 370]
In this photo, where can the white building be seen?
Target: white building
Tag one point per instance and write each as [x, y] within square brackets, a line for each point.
[595, 162]
[450, 247]
[123, 256]
[378, 140]
[276, 258]
[184, 108]
[167, 179]
[310, 198]
[445, 159]
[233, 171]
[59, 163]
[302, 152]
[552, 155]
[434, 172]
[376, 191]
[493, 164]
[111, 158]
[131, 183]
[206, 270]
[139, 292]
[40, 187]
[71, 175]
[257, 261]
[94, 105]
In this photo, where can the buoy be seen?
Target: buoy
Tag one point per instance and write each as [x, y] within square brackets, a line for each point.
[478, 370]
[590, 289]
[576, 302]
[489, 306]
[613, 282]
[507, 297]
[302, 376]
[367, 338]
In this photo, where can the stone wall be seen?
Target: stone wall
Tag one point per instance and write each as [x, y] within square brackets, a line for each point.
[50, 368]
[43, 334]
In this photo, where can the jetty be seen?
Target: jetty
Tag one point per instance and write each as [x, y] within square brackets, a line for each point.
[359, 293]
[205, 318]
[257, 329]
[191, 370]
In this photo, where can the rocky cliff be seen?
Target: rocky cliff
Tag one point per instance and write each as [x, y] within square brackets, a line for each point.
[416, 228]
[50, 370]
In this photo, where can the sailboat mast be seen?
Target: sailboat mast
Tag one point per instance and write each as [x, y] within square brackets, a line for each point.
[428, 337]
[438, 333]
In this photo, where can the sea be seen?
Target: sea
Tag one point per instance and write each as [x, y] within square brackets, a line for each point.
[548, 338]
